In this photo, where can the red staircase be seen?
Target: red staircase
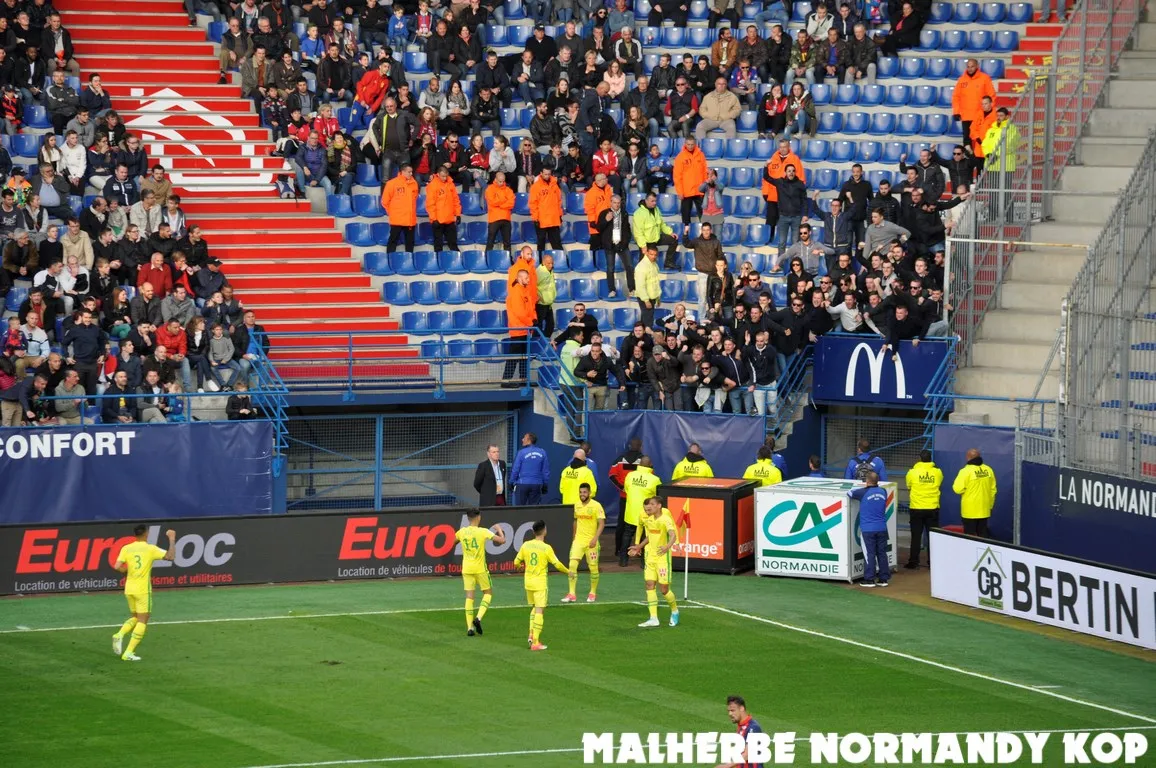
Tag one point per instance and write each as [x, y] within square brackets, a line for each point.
[287, 263]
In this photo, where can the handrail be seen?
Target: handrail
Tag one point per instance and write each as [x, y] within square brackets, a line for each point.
[790, 384]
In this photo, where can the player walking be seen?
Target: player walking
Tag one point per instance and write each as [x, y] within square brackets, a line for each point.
[589, 520]
[475, 574]
[660, 537]
[136, 562]
[745, 725]
[537, 556]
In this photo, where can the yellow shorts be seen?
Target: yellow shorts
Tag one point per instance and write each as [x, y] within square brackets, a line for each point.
[579, 552]
[476, 581]
[139, 603]
[657, 569]
[537, 598]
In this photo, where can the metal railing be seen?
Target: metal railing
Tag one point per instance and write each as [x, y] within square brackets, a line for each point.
[1048, 118]
[792, 389]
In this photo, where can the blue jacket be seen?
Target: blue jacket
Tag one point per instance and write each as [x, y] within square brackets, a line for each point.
[314, 159]
[876, 464]
[872, 508]
[531, 467]
[778, 460]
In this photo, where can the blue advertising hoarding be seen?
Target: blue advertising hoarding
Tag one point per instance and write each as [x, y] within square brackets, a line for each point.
[135, 472]
[855, 368]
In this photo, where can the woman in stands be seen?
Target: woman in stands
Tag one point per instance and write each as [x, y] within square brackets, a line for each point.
[427, 125]
[502, 159]
[197, 341]
[479, 161]
[424, 159]
[590, 74]
[100, 162]
[799, 281]
[635, 131]
[801, 116]
[720, 292]
[117, 320]
[326, 124]
[49, 152]
[342, 157]
[455, 111]
[905, 29]
[560, 98]
[616, 79]
[773, 113]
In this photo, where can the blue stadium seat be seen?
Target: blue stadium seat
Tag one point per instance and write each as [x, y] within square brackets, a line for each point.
[882, 124]
[1005, 41]
[732, 234]
[491, 319]
[377, 263]
[498, 290]
[762, 149]
[737, 149]
[831, 122]
[893, 151]
[472, 204]
[992, 67]
[668, 204]
[887, 66]
[953, 40]
[940, 13]
[911, 68]
[992, 13]
[579, 232]
[856, 123]
[517, 35]
[871, 95]
[748, 121]
[368, 206]
[978, 41]
[35, 116]
[965, 13]
[824, 180]
[868, 152]
[928, 40]
[874, 177]
[779, 293]
[357, 233]
[488, 348]
[821, 94]
[414, 321]
[897, 96]
[495, 35]
[673, 37]
[576, 204]
[451, 263]
[938, 69]
[745, 177]
[440, 321]
[943, 100]
[522, 204]
[340, 206]
[476, 292]
[799, 11]
[465, 321]
[472, 233]
[624, 319]
[936, 124]
[216, 31]
[923, 96]
[583, 289]
[649, 62]
[397, 293]
[26, 145]
[944, 149]
[1020, 13]
[663, 143]
[756, 235]
[415, 63]
[673, 290]
[511, 121]
[403, 264]
[427, 263]
[712, 149]
[563, 295]
[462, 349]
[581, 261]
[816, 151]
[699, 37]
[475, 262]
[747, 205]
[15, 298]
[909, 124]
[432, 349]
[450, 292]
[498, 261]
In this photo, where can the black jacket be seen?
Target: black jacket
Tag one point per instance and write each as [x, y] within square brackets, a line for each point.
[606, 231]
[855, 196]
[762, 363]
[235, 404]
[785, 320]
[792, 196]
[486, 485]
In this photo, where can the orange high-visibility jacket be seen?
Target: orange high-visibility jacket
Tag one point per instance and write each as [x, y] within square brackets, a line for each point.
[777, 169]
[546, 203]
[689, 172]
[597, 200]
[499, 203]
[441, 201]
[399, 199]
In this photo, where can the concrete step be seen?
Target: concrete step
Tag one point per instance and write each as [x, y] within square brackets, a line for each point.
[1085, 178]
[1034, 295]
[1096, 151]
[1137, 64]
[1122, 122]
[1132, 93]
[1145, 38]
[1083, 208]
[1016, 354]
[1039, 326]
[996, 413]
[1057, 264]
[977, 380]
[1074, 234]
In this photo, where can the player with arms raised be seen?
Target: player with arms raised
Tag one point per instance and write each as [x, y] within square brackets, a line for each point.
[136, 562]
[589, 520]
[537, 556]
[659, 538]
[475, 574]
[745, 725]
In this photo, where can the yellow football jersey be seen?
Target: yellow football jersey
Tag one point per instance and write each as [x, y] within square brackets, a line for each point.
[587, 517]
[537, 556]
[139, 556]
[657, 533]
[473, 540]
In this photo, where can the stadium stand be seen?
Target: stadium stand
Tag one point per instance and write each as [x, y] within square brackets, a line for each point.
[314, 260]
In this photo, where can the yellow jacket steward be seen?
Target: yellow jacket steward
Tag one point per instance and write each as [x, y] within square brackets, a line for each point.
[572, 477]
[975, 485]
[640, 485]
[923, 482]
[692, 465]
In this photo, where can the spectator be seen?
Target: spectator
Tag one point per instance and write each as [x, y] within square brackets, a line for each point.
[490, 479]
[863, 462]
[311, 165]
[1000, 147]
[832, 56]
[790, 332]
[905, 29]
[175, 340]
[85, 342]
[881, 234]
[484, 112]
[802, 63]
[20, 402]
[21, 257]
[845, 21]
[494, 76]
[707, 252]
[806, 251]
[976, 486]
[744, 84]
[121, 185]
[159, 363]
[762, 359]
[61, 101]
[239, 406]
[68, 411]
[547, 292]
[862, 54]
[221, 354]
[647, 285]
[152, 406]
[873, 526]
[178, 306]
[116, 407]
[593, 370]
[147, 216]
[682, 108]
[777, 57]
[399, 199]
[664, 374]
[53, 192]
[614, 230]
[724, 51]
[389, 138]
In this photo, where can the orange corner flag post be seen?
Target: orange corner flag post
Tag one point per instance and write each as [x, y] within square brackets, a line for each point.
[685, 523]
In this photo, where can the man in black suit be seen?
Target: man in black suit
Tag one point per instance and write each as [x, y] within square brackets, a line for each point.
[490, 479]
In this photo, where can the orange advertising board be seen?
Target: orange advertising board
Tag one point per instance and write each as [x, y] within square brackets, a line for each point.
[707, 530]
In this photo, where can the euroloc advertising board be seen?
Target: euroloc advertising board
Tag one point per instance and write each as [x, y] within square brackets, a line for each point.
[809, 528]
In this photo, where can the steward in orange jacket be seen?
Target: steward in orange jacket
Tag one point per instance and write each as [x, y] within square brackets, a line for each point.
[499, 210]
[444, 208]
[546, 209]
[597, 200]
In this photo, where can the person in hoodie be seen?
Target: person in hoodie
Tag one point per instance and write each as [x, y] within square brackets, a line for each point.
[530, 475]
[873, 526]
[692, 465]
[575, 474]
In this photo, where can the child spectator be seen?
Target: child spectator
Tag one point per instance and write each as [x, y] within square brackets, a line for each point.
[658, 170]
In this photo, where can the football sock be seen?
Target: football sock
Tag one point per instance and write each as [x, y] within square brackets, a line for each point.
[138, 633]
[652, 602]
[536, 625]
[469, 612]
[485, 605]
[126, 627]
[670, 600]
[573, 576]
[594, 576]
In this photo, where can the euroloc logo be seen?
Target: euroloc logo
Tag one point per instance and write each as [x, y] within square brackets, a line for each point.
[989, 577]
[810, 522]
[875, 362]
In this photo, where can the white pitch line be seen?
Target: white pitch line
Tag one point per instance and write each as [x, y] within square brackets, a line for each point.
[227, 619]
[928, 662]
[798, 740]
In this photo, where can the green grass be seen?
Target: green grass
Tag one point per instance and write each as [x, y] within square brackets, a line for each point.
[309, 688]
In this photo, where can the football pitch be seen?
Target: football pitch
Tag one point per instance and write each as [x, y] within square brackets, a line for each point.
[381, 673]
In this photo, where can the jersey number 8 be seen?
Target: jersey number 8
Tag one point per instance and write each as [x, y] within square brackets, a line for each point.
[533, 558]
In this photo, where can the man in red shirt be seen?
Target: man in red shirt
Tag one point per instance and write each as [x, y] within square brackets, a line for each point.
[745, 725]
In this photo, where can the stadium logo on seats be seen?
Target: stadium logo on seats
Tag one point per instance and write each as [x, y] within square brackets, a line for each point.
[989, 578]
[875, 363]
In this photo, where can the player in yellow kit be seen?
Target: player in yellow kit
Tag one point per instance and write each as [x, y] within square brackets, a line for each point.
[475, 574]
[589, 520]
[136, 562]
[537, 556]
[659, 538]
